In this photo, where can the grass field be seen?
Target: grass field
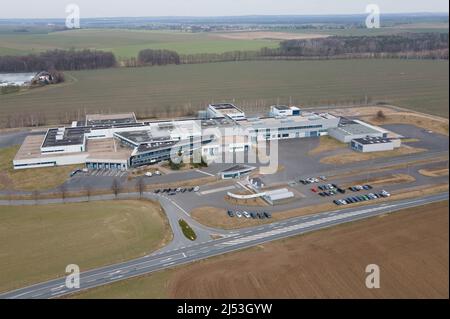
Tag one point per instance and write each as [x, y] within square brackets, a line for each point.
[38, 242]
[350, 156]
[126, 43]
[440, 28]
[410, 247]
[30, 179]
[172, 90]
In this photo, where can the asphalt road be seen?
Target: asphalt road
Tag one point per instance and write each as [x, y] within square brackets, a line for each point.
[235, 240]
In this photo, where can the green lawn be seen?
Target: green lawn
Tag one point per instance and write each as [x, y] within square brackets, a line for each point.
[173, 90]
[38, 242]
[125, 43]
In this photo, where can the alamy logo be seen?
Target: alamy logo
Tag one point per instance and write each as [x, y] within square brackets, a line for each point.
[373, 279]
[73, 277]
[73, 18]
[373, 19]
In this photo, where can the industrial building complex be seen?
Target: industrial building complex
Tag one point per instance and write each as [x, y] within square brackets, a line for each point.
[120, 142]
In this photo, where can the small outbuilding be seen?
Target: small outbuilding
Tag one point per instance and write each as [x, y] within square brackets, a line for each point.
[374, 144]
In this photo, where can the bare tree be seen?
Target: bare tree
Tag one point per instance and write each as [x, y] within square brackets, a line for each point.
[141, 186]
[63, 191]
[35, 195]
[88, 190]
[381, 115]
[115, 187]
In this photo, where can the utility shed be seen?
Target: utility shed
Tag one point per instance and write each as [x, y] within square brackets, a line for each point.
[349, 132]
[374, 144]
[272, 197]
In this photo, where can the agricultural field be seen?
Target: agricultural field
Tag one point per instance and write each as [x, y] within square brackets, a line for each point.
[38, 242]
[255, 85]
[127, 43]
[421, 27]
[410, 247]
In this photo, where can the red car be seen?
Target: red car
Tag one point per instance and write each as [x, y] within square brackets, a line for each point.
[314, 190]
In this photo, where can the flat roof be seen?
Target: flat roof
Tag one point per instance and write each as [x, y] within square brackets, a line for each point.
[372, 140]
[31, 149]
[110, 119]
[355, 129]
[282, 107]
[270, 122]
[238, 168]
[70, 136]
[226, 108]
[108, 148]
[137, 137]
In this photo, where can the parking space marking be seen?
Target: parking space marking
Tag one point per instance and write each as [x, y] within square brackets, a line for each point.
[216, 190]
[205, 173]
[286, 229]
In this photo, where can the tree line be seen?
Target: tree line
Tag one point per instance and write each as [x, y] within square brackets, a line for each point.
[335, 46]
[408, 45]
[63, 60]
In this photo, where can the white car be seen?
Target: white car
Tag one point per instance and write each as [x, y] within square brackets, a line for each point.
[238, 214]
[148, 174]
[196, 189]
[384, 193]
[246, 214]
[157, 173]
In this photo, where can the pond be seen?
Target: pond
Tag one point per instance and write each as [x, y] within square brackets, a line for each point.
[15, 78]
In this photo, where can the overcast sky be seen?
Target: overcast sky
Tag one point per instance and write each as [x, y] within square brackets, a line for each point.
[132, 8]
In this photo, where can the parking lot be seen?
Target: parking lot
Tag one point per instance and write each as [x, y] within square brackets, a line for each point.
[249, 214]
[104, 173]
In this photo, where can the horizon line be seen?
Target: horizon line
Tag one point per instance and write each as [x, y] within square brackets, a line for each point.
[236, 16]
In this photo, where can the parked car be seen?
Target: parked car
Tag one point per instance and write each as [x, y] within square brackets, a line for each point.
[196, 189]
[157, 191]
[190, 189]
[385, 193]
[340, 190]
[246, 214]
[323, 178]
[253, 214]
[268, 215]
[230, 213]
[238, 214]
[314, 190]
[157, 173]
[148, 174]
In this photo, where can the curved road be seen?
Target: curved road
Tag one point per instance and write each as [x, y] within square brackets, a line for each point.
[235, 240]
